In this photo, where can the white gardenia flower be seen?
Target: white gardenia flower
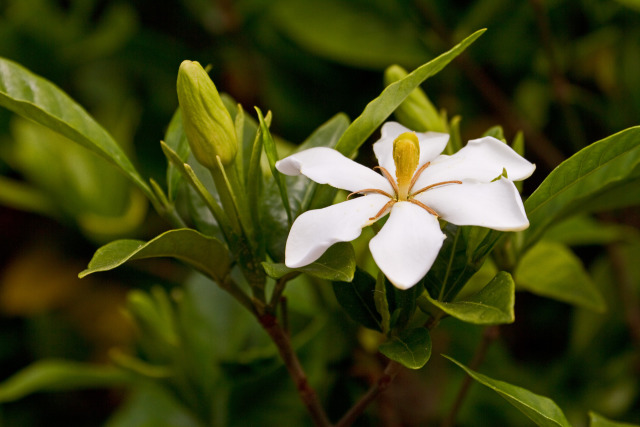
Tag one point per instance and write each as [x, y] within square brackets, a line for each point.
[417, 185]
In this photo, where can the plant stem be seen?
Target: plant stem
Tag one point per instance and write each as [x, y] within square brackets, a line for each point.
[490, 334]
[291, 362]
[374, 391]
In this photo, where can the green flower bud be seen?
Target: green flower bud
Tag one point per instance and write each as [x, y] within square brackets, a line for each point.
[416, 111]
[207, 123]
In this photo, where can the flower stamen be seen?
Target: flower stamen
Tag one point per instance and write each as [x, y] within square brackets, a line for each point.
[429, 187]
[417, 174]
[425, 207]
[383, 210]
[391, 180]
[370, 190]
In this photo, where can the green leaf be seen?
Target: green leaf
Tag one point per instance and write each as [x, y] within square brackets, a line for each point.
[462, 254]
[272, 155]
[552, 270]
[338, 263]
[350, 34]
[377, 111]
[584, 230]
[357, 299]
[597, 420]
[540, 409]
[176, 139]
[593, 171]
[57, 375]
[206, 254]
[493, 305]
[411, 347]
[37, 99]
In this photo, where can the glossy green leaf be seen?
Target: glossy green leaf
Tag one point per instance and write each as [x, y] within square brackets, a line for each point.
[411, 348]
[350, 34]
[493, 305]
[597, 420]
[552, 270]
[57, 375]
[37, 99]
[540, 409]
[206, 254]
[338, 263]
[357, 299]
[593, 171]
[462, 254]
[378, 110]
[176, 139]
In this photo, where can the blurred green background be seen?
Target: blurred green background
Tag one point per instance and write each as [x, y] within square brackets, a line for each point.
[564, 72]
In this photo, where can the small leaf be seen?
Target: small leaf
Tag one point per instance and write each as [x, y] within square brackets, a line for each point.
[206, 254]
[39, 100]
[540, 409]
[57, 375]
[493, 305]
[338, 263]
[597, 420]
[552, 270]
[176, 139]
[412, 348]
[377, 111]
[357, 299]
[592, 172]
[272, 155]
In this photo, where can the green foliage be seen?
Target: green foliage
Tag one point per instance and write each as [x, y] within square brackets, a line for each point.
[205, 254]
[541, 410]
[58, 375]
[37, 99]
[569, 281]
[492, 305]
[357, 299]
[338, 264]
[411, 348]
[597, 420]
[597, 169]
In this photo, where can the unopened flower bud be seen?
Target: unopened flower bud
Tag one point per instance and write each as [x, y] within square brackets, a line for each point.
[416, 111]
[207, 123]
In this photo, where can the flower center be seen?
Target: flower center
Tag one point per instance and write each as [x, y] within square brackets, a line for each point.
[406, 156]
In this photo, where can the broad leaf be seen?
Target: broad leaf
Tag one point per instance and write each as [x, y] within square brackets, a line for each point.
[357, 299]
[493, 305]
[540, 409]
[338, 263]
[377, 111]
[584, 230]
[37, 99]
[552, 270]
[411, 347]
[462, 254]
[206, 254]
[350, 34]
[57, 375]
[597, 420]
[592, 172]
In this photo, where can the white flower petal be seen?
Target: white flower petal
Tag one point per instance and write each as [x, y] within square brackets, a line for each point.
[431, 145]
[481, 159]
[314, 231]
[407, 245]
[327, 166]
[494, 205]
